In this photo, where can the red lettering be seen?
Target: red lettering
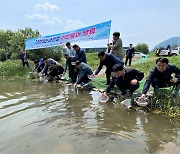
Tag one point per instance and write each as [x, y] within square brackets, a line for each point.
[78, 34]
[92, 31]
[72, 35]
[85, 32]
[67, 36]
[62, 38]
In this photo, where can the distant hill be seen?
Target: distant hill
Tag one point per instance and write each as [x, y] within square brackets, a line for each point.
[172, 41]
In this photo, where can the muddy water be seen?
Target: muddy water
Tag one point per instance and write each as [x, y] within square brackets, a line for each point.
[43, 118]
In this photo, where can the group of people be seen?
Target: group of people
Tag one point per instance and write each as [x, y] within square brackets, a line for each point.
[48, 67]
[158, 51]
[126, 79]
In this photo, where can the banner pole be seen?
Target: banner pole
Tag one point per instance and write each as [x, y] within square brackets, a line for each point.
[108, 49]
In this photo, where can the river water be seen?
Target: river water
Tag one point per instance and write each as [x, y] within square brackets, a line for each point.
[38, 117]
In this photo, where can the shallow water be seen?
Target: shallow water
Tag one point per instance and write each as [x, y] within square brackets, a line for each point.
[38, 117]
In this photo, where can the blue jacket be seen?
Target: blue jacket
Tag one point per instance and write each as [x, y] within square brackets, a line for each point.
[163, 76]
[41, 64]
[109, 62]
[81, 56]
[84, 70]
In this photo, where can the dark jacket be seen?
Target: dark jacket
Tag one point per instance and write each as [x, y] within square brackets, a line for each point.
[109, 62]
[163, 76]
[84, 70]
[130, 74]
[21, 55]
[68, 64]
[130, 52]
[81, 56]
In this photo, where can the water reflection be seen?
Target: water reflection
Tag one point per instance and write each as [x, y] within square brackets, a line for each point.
[54, 118]
[159, 131]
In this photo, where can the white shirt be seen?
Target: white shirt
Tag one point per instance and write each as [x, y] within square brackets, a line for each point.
[71, 52]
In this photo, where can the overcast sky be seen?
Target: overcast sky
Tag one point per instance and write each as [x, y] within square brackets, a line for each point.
[138, 21]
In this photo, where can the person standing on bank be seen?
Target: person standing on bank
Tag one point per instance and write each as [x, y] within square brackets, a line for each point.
[70, 61]
[80, 54]
[161, 76]
[71, 53]
[72, 74]
[24, 58]
[129, 54]
[109, 60]
[117, 47]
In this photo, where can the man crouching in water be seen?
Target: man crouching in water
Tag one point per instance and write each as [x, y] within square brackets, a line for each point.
[125, 79]
[84, 73]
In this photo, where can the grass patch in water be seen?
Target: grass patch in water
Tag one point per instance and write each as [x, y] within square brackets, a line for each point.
[165, 103]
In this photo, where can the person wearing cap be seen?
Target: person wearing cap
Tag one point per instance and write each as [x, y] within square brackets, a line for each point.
[70, 67]
[84, 73]
[125, 79]
[161, 76]
[108, 60]
[129, 54]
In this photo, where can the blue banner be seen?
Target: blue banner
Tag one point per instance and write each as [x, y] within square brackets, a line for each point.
[95, 32]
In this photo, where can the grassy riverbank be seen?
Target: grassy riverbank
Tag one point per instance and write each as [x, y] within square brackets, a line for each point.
[13, 69]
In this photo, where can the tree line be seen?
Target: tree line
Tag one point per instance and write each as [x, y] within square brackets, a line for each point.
[12, 41]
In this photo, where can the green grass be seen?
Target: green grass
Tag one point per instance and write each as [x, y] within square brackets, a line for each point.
[92, 60]
[13, 69]
[151, 54]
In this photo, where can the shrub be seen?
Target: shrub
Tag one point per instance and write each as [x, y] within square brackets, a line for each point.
[142, 47]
